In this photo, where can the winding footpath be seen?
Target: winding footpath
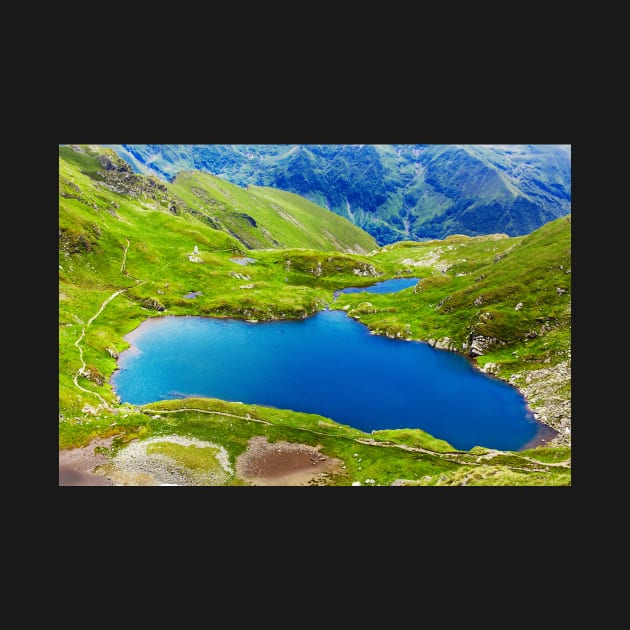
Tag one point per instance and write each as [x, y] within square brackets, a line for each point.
[449, 455]
[77, 343]
[452, 456]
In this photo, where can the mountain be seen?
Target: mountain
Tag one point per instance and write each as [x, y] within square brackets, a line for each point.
[394, 192]
[132, 247]
[257, 218]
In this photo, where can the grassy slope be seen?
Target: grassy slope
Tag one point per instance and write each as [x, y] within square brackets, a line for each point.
[264, 217]
[96, 224]
[472, 286]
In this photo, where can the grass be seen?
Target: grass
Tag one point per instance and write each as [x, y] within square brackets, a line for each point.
[499, 476]
[233, 424]
[97, 223]
[473, 287]
[197, 459]
[263, 217]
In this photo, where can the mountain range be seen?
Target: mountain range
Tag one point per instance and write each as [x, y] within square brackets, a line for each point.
[133, 247]
[394, 192]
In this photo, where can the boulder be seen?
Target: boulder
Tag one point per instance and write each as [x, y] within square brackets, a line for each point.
[480, 345]
[365, 270]
[152, 304]
[445, 343]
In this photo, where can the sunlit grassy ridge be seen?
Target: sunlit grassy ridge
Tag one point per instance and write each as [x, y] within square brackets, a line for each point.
[127, 252]
[264, 217]
[515, 293]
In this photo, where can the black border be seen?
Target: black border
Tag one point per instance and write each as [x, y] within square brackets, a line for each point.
[413, 520]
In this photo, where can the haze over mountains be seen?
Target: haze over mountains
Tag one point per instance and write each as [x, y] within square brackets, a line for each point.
[394, 192]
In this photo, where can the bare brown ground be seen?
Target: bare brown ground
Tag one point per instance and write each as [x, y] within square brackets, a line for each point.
[283, 463]
[76, 465]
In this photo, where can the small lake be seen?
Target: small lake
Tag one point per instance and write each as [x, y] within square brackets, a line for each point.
[386, 286]
[327, 364]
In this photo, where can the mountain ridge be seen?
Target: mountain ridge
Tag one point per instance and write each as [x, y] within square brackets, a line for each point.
[131, 248]
[394, 192]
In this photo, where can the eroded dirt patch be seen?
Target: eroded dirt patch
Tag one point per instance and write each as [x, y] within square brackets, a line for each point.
[283, 463]
[76, 465]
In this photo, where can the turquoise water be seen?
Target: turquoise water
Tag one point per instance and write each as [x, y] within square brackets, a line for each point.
[327, 364]
[386, 286]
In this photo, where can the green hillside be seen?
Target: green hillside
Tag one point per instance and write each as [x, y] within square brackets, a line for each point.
[505, 301]
[268, 218]
[127, 253]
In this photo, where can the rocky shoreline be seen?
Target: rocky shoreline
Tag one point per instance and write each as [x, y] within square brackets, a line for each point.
[542, 390]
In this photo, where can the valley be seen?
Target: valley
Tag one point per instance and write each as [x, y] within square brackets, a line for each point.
[132, 247]
[394, 192]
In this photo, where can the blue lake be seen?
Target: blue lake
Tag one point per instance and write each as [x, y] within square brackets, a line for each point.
[386, 286]
[327, 364]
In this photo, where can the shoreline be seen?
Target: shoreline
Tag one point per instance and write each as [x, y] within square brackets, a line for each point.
[76, 465]
[539, 388]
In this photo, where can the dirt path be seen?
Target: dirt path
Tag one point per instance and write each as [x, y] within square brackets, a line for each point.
[216, 413]
[77, 343]
[565, 464]
[449, 455]
[264, 463]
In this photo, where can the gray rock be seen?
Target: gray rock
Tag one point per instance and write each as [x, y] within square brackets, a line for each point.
[445, 343]
[153, 304]
[365, 270]
[480, 345]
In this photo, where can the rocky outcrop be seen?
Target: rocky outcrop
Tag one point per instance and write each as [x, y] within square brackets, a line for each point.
[92, 374]
[445, 343]
[545, 391]
[152, 304]
[239, 276]
[119, 178]
[114, 163]
[366, 270]
[490, 368]
[479, 344]
[74, 243]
